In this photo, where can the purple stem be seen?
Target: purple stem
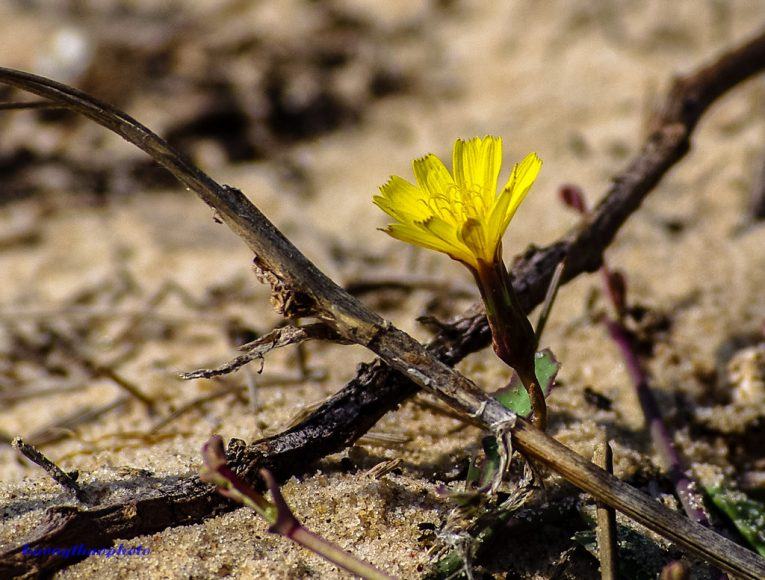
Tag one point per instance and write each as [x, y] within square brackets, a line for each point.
[663, 442]
[684, 486]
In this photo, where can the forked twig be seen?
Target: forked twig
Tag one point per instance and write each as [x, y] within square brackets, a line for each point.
[258, 348]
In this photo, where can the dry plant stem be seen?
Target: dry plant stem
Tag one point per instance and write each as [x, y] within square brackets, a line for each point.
[57, 474]
[277, 338]
[757, 196]
[377, 388]
[606, 516]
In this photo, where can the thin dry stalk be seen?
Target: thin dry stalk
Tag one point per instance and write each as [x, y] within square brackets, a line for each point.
[277, 338]
[66, 480]
[606, 518]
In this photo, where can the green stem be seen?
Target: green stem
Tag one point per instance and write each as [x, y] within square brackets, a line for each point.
[329, 551]
[513, 337]
[278, 513]
[552, 292]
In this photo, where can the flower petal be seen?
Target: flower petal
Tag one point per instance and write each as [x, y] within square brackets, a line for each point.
[419, 236]
[497, 221]
[446, 232]
[476, 166]
[449, 235]
[521, 179]
[402, 201]
[473, 235]
[432, 176]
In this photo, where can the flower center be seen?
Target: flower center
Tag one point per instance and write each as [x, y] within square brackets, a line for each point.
[457, 204]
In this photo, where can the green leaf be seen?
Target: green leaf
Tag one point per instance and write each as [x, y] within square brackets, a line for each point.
[514, 395]
[747, 515]
[491, 463]
[474, 473]
[482, 470]
[546, 367]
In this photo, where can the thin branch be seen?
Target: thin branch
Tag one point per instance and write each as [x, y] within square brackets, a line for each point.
[66, 480]
[606, 517]
[26, 105]
[552, 292]
[300, 289]
[258, 348]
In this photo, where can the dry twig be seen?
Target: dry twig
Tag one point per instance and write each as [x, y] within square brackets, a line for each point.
[257, 349]
[757, 196]
[606, 516]
[66, 480]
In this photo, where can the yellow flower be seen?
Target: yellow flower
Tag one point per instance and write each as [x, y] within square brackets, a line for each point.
[460, 215]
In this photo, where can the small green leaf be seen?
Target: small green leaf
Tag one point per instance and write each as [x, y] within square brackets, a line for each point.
[515, 397]
[483, 469]
[474, 473]
[546, 367]
[491, 463]
[747, 515]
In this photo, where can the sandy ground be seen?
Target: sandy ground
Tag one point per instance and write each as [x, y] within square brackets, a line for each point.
[572, 81]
